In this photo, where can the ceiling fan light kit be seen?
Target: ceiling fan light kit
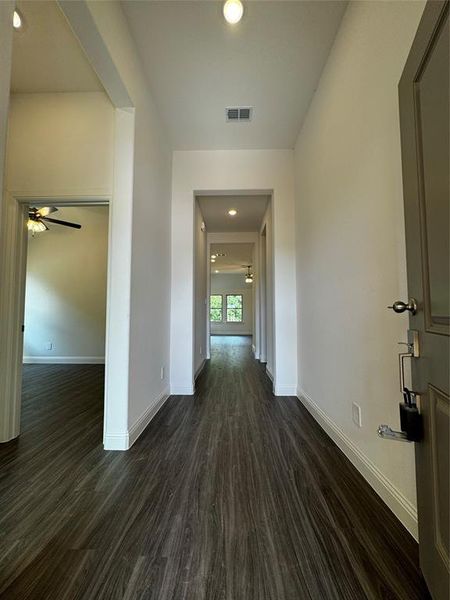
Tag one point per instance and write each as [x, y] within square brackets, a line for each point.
[36, 226]
[249, 275]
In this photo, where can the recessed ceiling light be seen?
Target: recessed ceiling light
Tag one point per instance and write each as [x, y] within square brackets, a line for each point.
[213, 260]
[233, 11]
[17, 20]
[216, 271]
[232, 212]
[213, 256]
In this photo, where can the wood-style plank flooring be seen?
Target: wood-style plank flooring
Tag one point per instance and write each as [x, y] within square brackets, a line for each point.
[232, 494]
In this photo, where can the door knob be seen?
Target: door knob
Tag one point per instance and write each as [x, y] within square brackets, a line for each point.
[400, 307]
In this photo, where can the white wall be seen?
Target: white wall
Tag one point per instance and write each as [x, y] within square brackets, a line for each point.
[6, 33]
[200, 298]
[351, 247]
[233, 283]
[66, 289]
[60, 143]
[238, 171]
[269, 297]
[151, 245]
[8, 420]
[261, 294]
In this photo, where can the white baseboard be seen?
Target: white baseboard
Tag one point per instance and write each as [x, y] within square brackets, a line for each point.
[63, 360]
[404, 510]
[285, 390]
[124, 441]
[269, 374]
[138, 427]
[116, 441]
[182, 389]
[200, 369]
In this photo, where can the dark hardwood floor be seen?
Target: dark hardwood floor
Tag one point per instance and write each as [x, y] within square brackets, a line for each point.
[232, 494]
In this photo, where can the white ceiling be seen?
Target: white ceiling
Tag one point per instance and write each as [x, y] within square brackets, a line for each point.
[46, 54]
[249, 217]
[197, 65]
[236, 255]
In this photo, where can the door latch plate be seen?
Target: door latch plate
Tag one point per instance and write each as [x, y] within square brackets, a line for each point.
[413, 342]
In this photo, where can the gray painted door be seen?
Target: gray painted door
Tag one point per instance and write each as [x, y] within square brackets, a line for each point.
[424, 117]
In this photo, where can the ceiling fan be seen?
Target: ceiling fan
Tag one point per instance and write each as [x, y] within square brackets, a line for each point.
[38, 216]
[249, 274]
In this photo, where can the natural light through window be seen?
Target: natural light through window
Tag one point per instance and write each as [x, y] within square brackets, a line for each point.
[234, 308]
[215, 308]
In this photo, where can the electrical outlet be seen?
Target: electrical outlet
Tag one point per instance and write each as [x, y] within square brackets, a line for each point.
[356, 414]
[49, 346]
[162, 372]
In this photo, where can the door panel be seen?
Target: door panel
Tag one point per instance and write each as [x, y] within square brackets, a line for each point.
[424, 119]
[432, 118]
[440, 465]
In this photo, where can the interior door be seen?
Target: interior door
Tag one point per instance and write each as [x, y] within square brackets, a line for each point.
[424, 119]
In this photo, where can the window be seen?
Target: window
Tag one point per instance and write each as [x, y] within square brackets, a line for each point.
[234, 308]
[215, 308]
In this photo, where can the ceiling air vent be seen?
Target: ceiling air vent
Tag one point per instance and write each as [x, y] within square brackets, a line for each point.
[239, 113]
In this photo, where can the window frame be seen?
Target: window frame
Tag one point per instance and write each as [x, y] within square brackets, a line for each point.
[241, 309]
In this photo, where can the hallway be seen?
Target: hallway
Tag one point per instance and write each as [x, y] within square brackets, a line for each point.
[231, 494]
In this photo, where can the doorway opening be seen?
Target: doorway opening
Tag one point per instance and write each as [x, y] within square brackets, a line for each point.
[65, 297]
[232, 292]
[63, 307]
[232, 258]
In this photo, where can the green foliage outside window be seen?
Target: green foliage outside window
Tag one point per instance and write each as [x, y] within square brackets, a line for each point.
[234, 308]
[215, 308]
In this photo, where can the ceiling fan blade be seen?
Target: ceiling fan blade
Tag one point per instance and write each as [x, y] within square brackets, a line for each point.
[59, 222]
[46, 210]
